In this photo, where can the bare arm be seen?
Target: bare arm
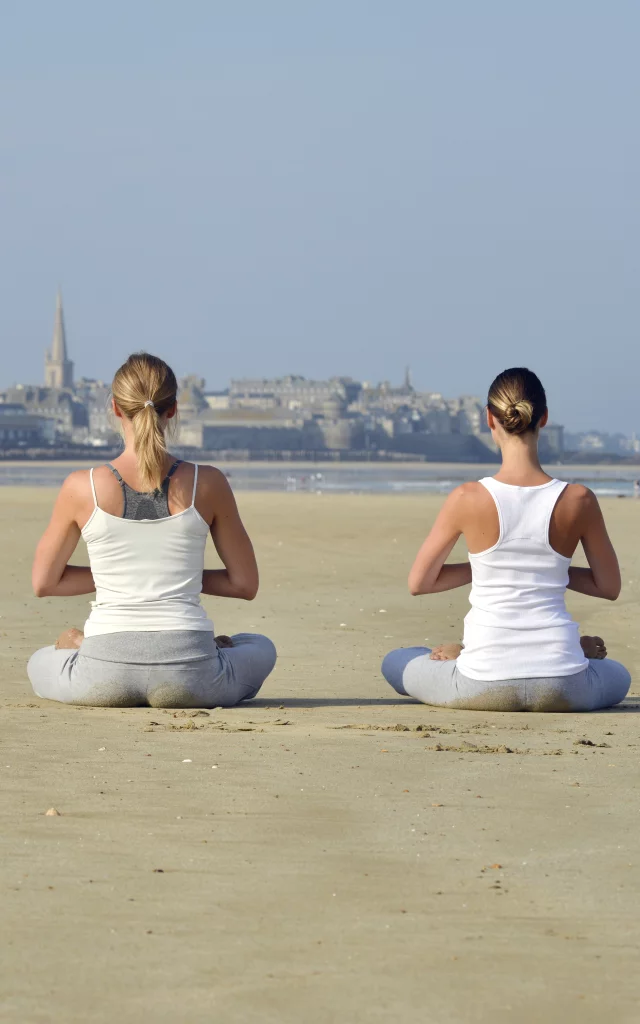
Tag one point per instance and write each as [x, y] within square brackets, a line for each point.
[602, 578]
[239, 578]
[429, 574]
[51, 575]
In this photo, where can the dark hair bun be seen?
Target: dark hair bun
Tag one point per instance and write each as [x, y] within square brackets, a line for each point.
[517, 417]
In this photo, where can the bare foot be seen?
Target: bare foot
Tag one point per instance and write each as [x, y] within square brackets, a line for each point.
[70, 640]
[446, 652]
[593, 647]
[224, 641]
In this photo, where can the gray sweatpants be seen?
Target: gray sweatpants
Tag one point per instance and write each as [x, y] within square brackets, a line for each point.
[168, 669]
[411, 672]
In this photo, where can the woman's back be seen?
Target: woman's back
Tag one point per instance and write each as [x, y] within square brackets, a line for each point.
[521, 580]
[147, 572]
[518, 626]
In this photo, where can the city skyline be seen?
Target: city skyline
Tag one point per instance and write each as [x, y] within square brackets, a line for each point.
[59, 371]
[291, 412]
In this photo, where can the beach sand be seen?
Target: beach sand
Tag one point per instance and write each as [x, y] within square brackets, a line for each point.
[330, 852]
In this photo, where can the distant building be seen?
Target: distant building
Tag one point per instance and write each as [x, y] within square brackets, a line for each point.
[191, 400]
[56, 401]
[256, 430]
[62, 407]
[20, 430]
[100, 425]
[58, 368]
[595, 442]
[631, 444]
[217, 399]
[293, 392]
[552, 441]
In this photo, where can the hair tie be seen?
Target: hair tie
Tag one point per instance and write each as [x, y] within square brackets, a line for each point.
[149, 402]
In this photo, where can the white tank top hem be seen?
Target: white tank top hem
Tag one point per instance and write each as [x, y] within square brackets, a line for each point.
[519, 626]
[147, 572]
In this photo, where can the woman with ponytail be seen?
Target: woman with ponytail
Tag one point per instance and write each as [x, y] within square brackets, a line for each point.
[145, 519]
[522, 651]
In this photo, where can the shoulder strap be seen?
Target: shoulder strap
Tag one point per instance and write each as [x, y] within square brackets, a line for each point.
[195, 484]
[93, 488]
[165, 483]
[115, 473]
[124, 486]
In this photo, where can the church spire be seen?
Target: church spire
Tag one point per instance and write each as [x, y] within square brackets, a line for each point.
[58, 368]
[407, 379]
[59, 346]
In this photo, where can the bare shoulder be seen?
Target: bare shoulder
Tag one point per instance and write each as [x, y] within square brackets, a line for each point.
[215, 497]
[468, 494]
[76, 485]
[472, 489]
[577, 507]
[464, 504]
[578, 492]
[75, 501]
[579, 497]
[213, 480]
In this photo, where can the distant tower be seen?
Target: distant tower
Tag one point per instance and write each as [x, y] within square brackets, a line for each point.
[408, 386]
[58, 370]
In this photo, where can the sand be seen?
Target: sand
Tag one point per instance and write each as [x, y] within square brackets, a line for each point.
[330, 852]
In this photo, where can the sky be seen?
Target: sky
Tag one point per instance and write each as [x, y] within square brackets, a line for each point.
[327, 187]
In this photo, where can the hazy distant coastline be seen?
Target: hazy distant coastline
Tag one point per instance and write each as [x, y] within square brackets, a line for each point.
[378, 477]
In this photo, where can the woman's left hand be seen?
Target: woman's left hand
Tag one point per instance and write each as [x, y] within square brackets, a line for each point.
[446, 652]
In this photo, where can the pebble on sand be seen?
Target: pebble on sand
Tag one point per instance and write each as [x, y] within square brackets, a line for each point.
[52, 813]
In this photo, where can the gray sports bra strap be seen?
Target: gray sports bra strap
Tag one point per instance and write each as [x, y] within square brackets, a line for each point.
[166, 479]
[142, 505]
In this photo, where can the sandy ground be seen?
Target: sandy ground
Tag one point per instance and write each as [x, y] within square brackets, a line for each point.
[329, 852]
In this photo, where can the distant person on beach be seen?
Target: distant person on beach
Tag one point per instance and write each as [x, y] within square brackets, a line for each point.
[145, 519]
[522, 651]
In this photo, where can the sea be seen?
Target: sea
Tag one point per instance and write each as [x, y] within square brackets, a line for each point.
[350, 478]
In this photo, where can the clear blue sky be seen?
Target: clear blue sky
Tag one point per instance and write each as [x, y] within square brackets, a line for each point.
[327, 187]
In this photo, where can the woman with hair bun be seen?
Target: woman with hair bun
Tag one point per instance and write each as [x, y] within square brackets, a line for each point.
[522, 651]
[145, 518]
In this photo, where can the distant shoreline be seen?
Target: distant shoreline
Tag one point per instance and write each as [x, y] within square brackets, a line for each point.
[454, 470]
[97, 456]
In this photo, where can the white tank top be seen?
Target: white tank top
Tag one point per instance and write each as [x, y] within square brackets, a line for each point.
[147, 572]
[518, 626]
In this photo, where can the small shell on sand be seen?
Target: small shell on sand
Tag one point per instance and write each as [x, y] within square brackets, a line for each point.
[52, 813]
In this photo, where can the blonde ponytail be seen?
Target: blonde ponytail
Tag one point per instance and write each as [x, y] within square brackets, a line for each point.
[144, 388]
[150, 447]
